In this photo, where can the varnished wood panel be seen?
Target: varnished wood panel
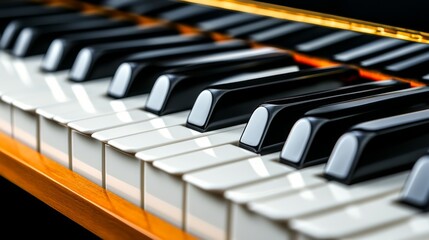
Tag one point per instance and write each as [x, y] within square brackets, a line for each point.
[96, 209]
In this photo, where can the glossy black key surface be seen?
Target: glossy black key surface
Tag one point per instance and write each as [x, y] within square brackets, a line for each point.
[268, 127]
[102, 60]
[223, 23]
[373, 48]
[278, 34]
[413, 67]
[223, 105]
[313, 137]
[396, 55]
[8, 14]
[290, 37]
[416, 189]
[63, 51]
[176, 89]
[36, 40]
[379, 147]
[137, 74]
[245, 30]
[13, 29]
[337, 42]
[192, 14]
[154, 8]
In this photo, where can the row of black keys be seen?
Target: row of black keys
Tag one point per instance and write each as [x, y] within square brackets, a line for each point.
[224, 82]
[396, 57]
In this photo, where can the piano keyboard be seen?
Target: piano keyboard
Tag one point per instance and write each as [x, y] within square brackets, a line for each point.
[229, 137]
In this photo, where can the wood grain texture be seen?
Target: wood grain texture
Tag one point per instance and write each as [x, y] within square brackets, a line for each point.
[86, 203]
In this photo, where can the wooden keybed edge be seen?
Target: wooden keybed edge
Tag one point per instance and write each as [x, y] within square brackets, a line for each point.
[96, 209]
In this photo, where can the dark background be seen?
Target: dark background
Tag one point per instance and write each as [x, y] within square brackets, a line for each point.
[25, 217]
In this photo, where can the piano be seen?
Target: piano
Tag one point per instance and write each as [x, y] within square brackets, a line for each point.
[219, 119]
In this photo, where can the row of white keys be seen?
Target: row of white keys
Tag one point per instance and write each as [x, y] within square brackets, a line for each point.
[280, 210]
[30, 89]
[54, 134]
[207, 211]
[413, 228]
[356, 221]
[163, 189]
[87, 143]
[207, 187]
[120, 160]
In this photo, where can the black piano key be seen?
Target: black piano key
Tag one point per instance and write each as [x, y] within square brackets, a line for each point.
[245, 30]
[223, 23]
[154, 8]
[137, 74]
[289, 38]
[412, 67]
[36, 40]
[102, 60]
[126, 5]
[337, 42]
[374, 48]
[8, 14]
[396, 55]
[13, 29]
[63, 51]
[223, 105]
[416, 189]
[176, 89]
[271, 122]
[379, 147]
[192, 14]
[276, 35]
[313, 137]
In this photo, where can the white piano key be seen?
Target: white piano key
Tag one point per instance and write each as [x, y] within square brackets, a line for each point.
[164, 189]
[92, 125]
[206, 205]
[122, 175]
[135, 166]
[88, 107]
[325, 197]
[285, 184]
[222, 138]
[353, 219]
[244, 224]
[54, 134]
[271, 221]
[415, 227]
[131, 129]
[24, 122]
[141, 141]
[87, 152]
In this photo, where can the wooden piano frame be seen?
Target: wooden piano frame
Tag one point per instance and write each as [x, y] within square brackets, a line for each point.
[108, 215]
